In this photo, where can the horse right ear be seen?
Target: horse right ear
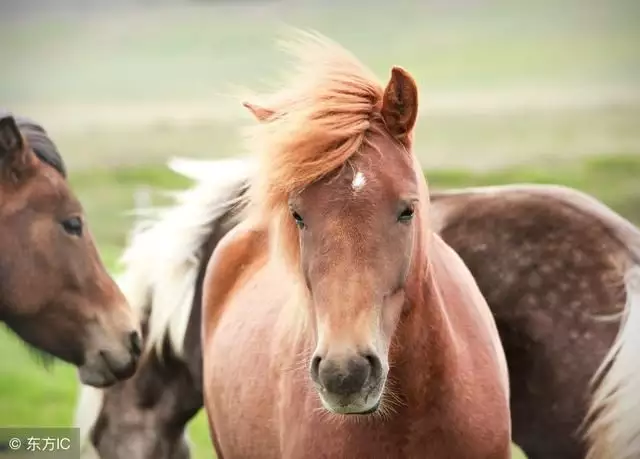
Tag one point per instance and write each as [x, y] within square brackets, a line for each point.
[400, 105]
[260, 113]
[11, 142]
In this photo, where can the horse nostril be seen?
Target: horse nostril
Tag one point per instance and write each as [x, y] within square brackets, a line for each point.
[375, 364]
[315, 367]
[136, 343]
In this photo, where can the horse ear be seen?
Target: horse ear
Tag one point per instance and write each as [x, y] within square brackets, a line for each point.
[400, 104]
[11, 142]
[261, 114]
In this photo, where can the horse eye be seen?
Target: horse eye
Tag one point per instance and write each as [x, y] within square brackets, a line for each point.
[299, 221]
[73, 226]
[406, 215]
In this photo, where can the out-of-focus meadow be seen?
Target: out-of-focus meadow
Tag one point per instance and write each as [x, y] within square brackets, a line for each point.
[511, 91]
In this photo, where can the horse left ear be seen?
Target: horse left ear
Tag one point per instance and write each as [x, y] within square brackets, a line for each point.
[11, 143]
[260, 113]
[400, 104]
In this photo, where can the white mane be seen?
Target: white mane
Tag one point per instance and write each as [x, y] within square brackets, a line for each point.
[162, 262]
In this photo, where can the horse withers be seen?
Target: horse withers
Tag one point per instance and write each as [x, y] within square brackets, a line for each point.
[336, 322]
[55, 293]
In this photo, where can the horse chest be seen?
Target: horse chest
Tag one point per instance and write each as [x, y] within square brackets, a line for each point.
[426, 432]
[316, 436]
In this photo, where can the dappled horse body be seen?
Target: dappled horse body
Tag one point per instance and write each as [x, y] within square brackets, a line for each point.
[552, 354]
[55, 293]
[336, 323]
[559, 270]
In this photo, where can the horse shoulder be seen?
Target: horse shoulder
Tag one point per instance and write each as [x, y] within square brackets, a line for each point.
[237, 254]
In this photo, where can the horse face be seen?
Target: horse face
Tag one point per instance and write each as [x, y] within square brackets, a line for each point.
[55, 291]
[357, 236]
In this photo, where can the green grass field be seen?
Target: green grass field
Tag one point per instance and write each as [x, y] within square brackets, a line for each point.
[511, 91]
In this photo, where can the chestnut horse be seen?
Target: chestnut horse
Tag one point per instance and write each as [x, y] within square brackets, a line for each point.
[55, 293]
[336, 322]
[550, 248]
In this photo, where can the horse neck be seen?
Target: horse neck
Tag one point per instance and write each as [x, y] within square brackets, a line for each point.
[424, 338]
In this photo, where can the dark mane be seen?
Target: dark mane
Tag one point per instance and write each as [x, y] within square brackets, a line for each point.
[39, 140]
[41, 143]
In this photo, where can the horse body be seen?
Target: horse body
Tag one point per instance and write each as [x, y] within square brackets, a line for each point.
[357, 309]
[55, 293]
[556, 285]
[286, 418]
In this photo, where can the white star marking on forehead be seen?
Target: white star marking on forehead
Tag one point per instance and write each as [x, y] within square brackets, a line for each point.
[358, 181]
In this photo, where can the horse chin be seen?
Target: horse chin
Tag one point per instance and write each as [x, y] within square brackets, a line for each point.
[361, 407]
[96, 377]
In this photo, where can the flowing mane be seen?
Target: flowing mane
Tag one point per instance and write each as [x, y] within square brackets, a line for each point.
[322, 118]
[162, 261]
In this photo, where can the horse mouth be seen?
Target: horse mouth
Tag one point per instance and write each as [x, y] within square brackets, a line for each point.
[348, 410]
[350, 407]
[371, 410]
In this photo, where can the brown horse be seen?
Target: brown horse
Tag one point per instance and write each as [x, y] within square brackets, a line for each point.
[336, 322]
[54, 290]
[525, 231]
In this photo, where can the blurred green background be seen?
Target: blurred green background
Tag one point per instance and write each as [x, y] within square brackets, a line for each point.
[511, 91]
